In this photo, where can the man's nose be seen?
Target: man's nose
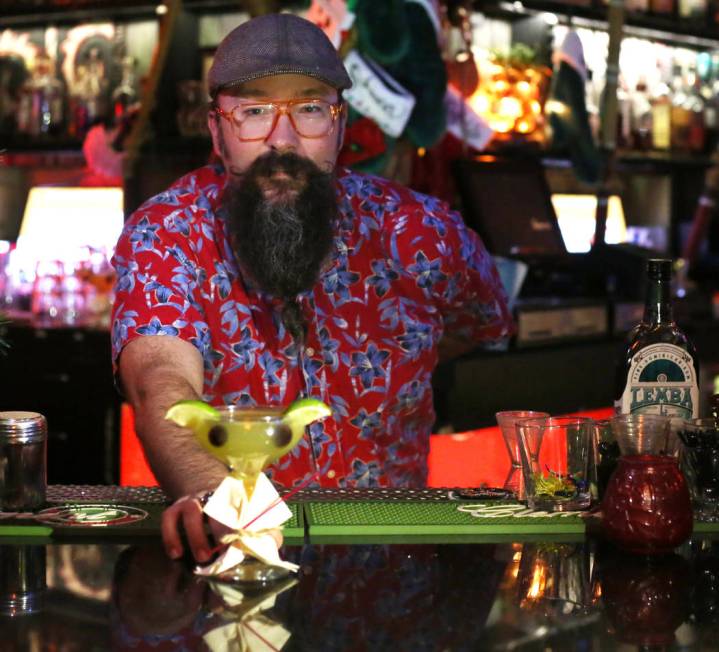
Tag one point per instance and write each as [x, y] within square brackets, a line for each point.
[283, 137]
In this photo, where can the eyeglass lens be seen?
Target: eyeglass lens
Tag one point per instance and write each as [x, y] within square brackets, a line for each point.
[310, 119]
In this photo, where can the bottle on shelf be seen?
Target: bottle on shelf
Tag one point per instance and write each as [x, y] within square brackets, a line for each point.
[658, 371]
[41, 110]
[125, 102]
[641, 112]
[692, 11]
[662, 120]
[664, 8]
[90, 95]
[125, 95]
[681, 112]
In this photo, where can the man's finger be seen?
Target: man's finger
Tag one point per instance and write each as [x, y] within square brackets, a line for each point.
[193, 521]
[171, 538]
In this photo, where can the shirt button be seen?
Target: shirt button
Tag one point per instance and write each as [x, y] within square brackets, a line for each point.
[331, 474]
[310, 351]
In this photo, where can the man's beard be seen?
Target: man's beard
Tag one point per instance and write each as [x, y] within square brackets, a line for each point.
[282, 227]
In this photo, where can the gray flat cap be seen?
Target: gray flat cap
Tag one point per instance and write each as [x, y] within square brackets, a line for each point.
[276, 44]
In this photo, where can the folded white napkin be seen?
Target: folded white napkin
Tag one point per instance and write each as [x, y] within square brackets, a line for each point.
[231, 506]
[249, 628]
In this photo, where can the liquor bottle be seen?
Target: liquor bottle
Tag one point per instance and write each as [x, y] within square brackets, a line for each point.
[125, 96]
[41, 111]
[662, 7]
[90, 95]
[658, 372]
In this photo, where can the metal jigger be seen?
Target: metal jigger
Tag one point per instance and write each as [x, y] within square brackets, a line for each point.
[22, 580]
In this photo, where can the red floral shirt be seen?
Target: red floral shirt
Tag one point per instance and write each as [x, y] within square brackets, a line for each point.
[404, 271]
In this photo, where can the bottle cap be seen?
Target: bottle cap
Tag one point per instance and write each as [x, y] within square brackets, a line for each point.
[22, 427]
[659, 269]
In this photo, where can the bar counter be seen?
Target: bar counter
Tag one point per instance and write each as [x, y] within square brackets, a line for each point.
[405, 585]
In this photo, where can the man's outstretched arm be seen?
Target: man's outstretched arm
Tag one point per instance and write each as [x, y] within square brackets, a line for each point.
[157, 371]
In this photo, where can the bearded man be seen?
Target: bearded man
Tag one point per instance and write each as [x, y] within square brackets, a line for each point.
[275, 275]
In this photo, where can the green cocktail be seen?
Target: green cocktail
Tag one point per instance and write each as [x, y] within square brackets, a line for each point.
[247, 440]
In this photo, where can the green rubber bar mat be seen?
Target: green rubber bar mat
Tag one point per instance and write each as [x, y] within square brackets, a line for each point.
[97, 521]
[428, 520]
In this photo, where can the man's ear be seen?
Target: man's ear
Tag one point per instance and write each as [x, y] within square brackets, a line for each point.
[342, 125]
[213, 124]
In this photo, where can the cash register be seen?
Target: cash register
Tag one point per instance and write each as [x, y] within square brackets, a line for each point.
[565, 295]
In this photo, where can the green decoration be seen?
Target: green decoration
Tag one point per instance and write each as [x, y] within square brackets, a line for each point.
[570, 126]
[383, 31]
[422, 72]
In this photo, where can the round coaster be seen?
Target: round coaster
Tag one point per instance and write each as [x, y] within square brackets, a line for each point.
[95, 515]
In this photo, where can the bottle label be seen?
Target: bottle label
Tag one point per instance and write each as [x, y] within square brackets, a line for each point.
[661, 380]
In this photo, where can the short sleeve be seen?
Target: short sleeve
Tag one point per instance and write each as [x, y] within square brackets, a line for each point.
[162, 284]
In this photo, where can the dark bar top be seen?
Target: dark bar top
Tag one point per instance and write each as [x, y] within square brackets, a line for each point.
[535, 592]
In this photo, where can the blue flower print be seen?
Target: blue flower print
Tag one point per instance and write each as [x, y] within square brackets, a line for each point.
[321, 440]
[364, 474]
[203, 342]
[222, 280]
[311, 368]
[271, 366]
[244, 350]
[379, 208]
[416, 337]
[178, 222]
[123, 322]
[362, 187]
[368, 365]
[367, 423]
[162, 292]
[382, 277]
[429, 204]
[189, 274]
[436, 223]
[428, 271]
[338, 281]
[330, 347]
[125, 275]
[156, 327]
[242, 398]
[409, 395]
[143, 235]
[168, 197]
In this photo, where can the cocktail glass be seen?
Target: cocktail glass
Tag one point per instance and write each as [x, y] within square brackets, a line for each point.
[507, 423]
[247, 440]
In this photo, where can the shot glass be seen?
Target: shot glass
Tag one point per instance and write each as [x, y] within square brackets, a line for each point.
[644, 434]
[507, 421]
[557, 462]
[699, 461]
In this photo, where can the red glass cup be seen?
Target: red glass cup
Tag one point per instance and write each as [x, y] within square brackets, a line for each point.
[646, 508]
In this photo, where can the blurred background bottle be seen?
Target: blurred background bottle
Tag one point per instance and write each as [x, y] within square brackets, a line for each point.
[41, 109]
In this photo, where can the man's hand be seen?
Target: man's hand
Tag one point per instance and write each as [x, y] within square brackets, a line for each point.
[186, 513]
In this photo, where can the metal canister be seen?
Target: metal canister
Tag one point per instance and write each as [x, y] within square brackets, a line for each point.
[23, 584]
[23, 461]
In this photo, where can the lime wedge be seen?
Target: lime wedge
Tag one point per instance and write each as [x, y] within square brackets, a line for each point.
[189, 414]
[303, 412]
